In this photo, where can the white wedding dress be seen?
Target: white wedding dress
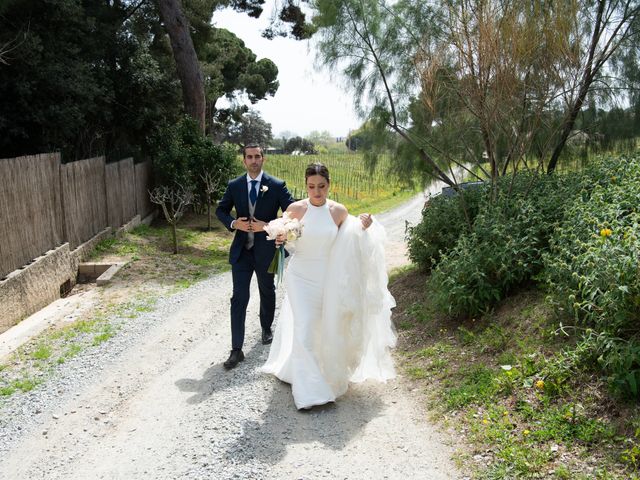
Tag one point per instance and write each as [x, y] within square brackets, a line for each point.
[335, 321]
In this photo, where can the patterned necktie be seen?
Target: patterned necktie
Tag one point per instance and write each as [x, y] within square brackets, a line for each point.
[253, 194]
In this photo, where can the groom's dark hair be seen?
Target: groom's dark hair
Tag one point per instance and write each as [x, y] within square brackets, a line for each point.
[244, 149]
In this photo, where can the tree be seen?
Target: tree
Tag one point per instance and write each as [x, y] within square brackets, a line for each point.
[249, 129]
[465, 79]
[111, 70]
[86, 78]
[257, 80]
[325, 142]
[231, 69]
[361, 139]
[610, 26]
[299, 144]
[188, 166]
[173, 200]
[184, 53]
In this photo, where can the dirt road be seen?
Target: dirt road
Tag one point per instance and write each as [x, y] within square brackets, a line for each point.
[154, 402]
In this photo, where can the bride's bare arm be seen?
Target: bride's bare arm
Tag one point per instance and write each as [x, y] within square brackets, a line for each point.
[297, 209]
[339, 212]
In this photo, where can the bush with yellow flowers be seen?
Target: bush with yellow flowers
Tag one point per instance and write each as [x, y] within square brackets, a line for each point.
[592, 269]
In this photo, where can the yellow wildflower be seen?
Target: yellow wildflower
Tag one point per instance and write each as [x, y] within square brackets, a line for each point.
[526, 432]
[605, 232]
[540, 384]
[485, 421]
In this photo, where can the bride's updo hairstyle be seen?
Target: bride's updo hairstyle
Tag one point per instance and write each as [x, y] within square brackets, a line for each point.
[317, 169]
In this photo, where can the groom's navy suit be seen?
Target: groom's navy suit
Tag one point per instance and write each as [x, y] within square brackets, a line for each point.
[272, 196]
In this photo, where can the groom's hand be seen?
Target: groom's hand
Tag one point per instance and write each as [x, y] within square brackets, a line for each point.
[257, 225]
[243, 224]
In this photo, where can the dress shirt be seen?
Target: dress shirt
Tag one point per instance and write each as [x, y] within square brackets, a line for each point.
[249, 179]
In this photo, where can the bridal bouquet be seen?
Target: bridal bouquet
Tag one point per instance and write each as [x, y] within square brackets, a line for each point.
[292, 229]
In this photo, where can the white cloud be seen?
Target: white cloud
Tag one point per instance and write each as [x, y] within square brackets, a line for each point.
[308, 99]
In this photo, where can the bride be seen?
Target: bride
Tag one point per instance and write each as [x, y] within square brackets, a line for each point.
[335, 321]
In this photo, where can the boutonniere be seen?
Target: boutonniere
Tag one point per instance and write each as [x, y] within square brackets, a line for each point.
[264, 189]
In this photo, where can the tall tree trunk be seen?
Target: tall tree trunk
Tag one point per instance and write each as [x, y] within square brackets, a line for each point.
[568, 125]
[186, 59]
[588, 75]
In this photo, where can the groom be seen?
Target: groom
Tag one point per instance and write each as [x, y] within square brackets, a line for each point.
[257, 197]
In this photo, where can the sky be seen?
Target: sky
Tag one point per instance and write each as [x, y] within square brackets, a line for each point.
[308, 99]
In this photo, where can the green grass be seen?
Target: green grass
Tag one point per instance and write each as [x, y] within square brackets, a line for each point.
[472, 385]
[417, 372]
[25, 384]
[501, 379]
[70, 352]
[42, 352]
[106, 333]
[117, 246]
[35, 361]
[5, 391]
[434, 351]
[184, 283]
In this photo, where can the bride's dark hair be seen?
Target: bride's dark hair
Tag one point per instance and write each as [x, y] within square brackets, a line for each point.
[316, 168]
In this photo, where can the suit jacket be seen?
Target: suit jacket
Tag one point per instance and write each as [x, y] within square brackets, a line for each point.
[237, 195]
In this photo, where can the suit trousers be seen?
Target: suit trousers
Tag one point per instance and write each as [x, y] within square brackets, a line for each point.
[242, 272]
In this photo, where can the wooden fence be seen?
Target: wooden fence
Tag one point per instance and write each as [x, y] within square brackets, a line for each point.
[83, 199]
[44, 203]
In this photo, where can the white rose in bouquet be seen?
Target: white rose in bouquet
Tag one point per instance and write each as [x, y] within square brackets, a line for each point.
[291, 229]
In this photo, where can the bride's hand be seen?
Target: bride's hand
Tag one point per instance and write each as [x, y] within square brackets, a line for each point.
[366, 220]
[280, 239]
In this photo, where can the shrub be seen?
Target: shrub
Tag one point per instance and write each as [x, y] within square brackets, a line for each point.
[433, 237]
[592, 268]
[503, 249]
[182, 154]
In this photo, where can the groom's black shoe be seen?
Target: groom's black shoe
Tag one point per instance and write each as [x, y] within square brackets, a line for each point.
[234, 359]
[267, 336]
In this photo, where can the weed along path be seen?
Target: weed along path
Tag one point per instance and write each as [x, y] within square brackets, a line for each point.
[154, 402]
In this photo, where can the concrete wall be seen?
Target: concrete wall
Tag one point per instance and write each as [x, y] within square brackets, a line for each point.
[33, 287]
[28, 289]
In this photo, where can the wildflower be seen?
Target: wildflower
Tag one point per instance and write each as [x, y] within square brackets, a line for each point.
[485, 421]
[605, 232]
[526, 432]
[540, 384]
[505, 413]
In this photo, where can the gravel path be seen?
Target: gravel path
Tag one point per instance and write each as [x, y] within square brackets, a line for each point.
[154, 402]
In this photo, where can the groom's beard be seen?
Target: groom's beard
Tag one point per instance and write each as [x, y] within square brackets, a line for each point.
[254, 170]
